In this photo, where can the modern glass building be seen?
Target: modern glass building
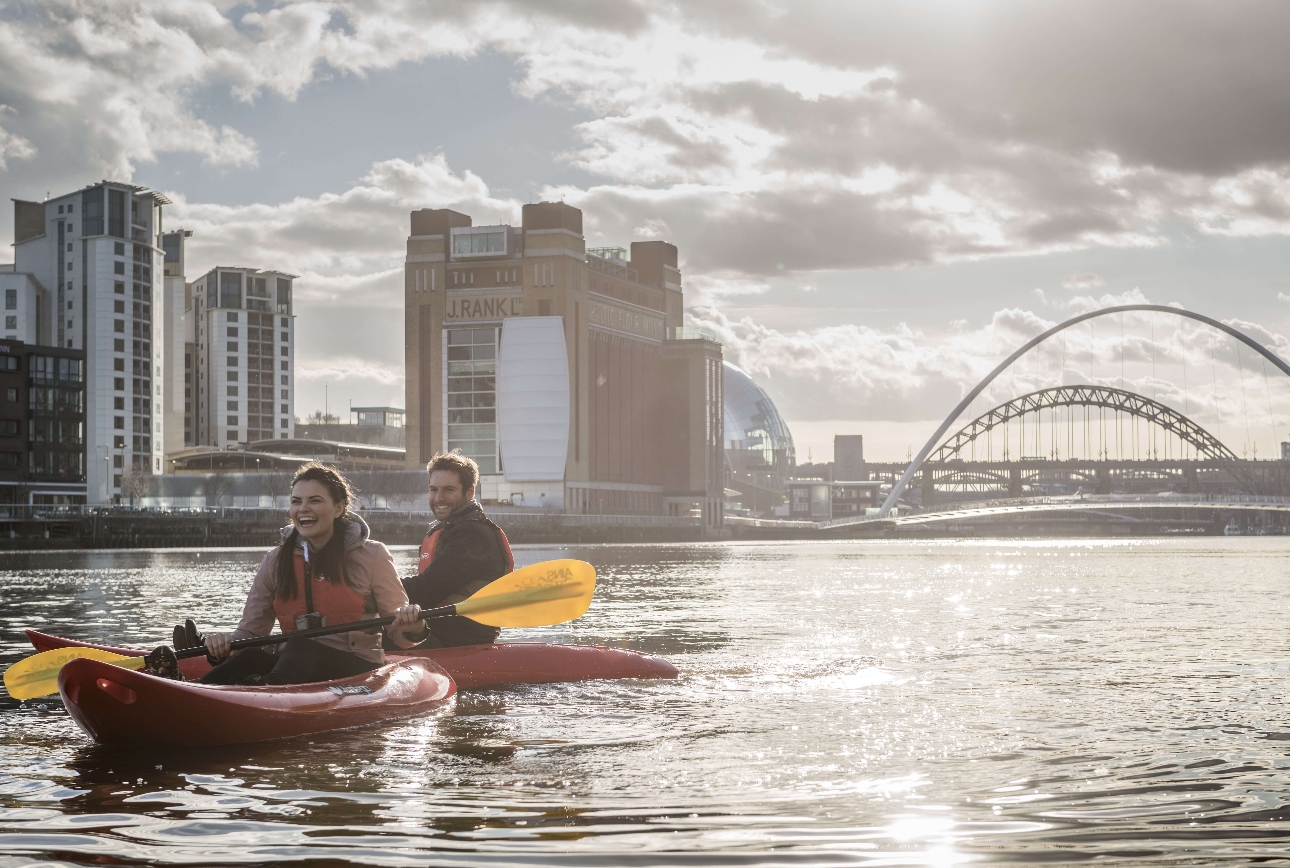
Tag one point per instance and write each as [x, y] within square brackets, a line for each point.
[759, 446]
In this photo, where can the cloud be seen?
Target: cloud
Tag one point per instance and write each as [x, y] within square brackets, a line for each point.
[12, 147]
[339, 370]
[346, 247]
[932, 132]
[1082, 281]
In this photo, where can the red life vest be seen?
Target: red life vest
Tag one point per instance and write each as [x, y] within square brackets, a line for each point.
[337, 602]
[430, 547]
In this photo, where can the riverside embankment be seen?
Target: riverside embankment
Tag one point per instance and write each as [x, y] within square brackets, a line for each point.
[24, 527]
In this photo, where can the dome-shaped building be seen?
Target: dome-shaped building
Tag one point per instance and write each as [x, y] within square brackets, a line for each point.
[759, 446]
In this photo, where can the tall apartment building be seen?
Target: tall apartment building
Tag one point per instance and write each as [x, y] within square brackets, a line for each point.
[96, 257]
[565, 372]
[177, 379]
[243, 357]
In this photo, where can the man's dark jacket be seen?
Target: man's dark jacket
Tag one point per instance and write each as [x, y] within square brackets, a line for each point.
[468, 551]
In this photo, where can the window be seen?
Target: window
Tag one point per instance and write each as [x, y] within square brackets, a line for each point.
[284, 322]
[118, 248]
[232, 421]
[284, 382]
[472, 395]
[232, 376]
[118, 422]
[70, 208]
[118, 326]
[118, 364]
[232, 361]
[476, 243]
[9, 460]
[69, 247]
[285, 395]
[118, 383]
[11, 322]
[232, 405]
[230, 291]
[232, 348]
[118, 345]
[9, 428]
[118, 403]
[232, 391]
[12, 395]
[230, 317]
[9, 363]
[232, 331]
[119, 288]
[11, 299]
[284, 421]
[284, 298]
[285, 338]
[284, 351]
[231, 436]
[117, 267]
[284, 367]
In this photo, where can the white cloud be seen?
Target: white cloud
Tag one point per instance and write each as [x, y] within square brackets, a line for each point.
[12, 147]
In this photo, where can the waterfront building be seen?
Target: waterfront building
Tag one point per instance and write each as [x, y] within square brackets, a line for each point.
[379, 426]
[177, 348]
[848, 457]
[759, 450]
[242, 336]
[42, 424]
[821, 500]
[96, 254]
[25, 302]
[565, 372]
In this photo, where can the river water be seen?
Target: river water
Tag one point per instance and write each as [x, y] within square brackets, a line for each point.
[884, 703]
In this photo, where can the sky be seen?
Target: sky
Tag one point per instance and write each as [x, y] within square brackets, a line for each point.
[874, 202]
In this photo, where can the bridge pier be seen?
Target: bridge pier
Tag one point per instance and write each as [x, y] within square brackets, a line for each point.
[929, 487]
[1014, 481]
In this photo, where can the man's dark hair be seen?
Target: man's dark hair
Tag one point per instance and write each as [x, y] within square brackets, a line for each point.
[466, 469]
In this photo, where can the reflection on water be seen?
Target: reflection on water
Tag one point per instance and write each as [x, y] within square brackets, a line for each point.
[876, 702]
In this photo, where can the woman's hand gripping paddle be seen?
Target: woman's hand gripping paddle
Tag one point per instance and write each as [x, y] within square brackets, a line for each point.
[540, 595]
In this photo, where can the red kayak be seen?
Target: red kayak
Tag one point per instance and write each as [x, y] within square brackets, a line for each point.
[475, 666]
[115, 705]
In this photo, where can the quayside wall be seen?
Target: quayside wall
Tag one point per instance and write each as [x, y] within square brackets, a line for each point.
[28, 528]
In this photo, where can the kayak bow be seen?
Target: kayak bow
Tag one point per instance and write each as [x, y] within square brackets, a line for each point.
[115, 705]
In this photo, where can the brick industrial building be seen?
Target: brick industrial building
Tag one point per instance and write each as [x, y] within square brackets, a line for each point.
[566, 372]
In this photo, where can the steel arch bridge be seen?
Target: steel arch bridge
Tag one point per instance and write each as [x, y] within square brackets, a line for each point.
[1122, 401]
[914, 466]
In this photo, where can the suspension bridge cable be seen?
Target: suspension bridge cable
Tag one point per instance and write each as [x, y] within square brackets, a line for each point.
[1154, 394]
[1213, 368]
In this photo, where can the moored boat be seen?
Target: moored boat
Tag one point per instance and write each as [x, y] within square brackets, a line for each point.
[115, 705]
[475, 666]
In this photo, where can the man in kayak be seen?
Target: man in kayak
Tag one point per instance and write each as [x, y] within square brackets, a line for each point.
[462, 552]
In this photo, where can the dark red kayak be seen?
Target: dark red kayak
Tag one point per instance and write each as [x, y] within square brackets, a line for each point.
[115, 705]
[475, 666]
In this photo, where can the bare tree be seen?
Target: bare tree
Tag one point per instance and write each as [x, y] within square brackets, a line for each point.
[274, 484]
[405, 487]
[318, 417]
[217, 484]
[137, 483]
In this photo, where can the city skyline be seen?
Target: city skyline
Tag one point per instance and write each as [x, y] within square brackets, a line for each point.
[873, 205]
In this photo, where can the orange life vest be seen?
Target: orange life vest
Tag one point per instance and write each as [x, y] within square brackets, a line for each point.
[430, 547]
[336, 602]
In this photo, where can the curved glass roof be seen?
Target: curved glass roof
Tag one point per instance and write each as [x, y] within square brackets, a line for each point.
[756, 437]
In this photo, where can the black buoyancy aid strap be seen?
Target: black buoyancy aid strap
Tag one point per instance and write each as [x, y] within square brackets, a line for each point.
[308, 582]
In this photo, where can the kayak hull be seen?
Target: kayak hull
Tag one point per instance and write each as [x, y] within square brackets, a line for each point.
[117, 706]
[475, 666]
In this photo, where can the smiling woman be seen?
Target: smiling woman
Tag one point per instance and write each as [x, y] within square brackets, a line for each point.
[327, 571]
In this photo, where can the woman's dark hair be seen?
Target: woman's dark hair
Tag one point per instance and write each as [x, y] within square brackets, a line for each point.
[327, 561]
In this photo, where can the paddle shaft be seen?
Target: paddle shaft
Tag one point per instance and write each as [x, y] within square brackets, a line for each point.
[329, 630]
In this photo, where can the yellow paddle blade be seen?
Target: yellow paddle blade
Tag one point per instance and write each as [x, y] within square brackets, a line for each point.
[540, 595]
[37, 675]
